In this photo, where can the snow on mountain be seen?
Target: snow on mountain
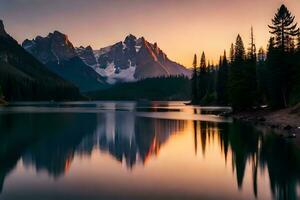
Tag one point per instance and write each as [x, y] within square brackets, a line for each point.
[125, 75]
[126, 61]
[131, 60]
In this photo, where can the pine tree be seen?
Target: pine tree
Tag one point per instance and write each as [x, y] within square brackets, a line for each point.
[252, 47]
[231, 53]
[283, 27]
[240, 92]
[203, 63]
[202, 79]
[250, 71]
[239, 51]
[195, 81]
[281, 65]
[195, 62]
[222, 80]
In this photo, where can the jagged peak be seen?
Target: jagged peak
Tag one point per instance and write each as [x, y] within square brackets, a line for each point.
[55, 45]
[89, 47]
[58, 33]
[143, 39]
[130, 37]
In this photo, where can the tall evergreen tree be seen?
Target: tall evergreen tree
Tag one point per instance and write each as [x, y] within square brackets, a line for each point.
[283, 27]
[250, 71]
[252, 47]
[280, 59]
[202, 78]
[222, 81]
[203, 63]
[195, 81]
[241, 95]
[239, 51]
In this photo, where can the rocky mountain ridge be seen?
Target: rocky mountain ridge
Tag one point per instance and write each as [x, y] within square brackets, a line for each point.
[130, 60]
[60, 56]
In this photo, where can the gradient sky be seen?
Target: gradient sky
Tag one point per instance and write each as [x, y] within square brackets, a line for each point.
[180, 27]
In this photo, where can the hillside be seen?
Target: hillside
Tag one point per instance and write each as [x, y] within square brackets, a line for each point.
[22, 77]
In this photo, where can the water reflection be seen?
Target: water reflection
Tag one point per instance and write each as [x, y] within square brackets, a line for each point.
[261, 150]
[49, 142]
[134, 139]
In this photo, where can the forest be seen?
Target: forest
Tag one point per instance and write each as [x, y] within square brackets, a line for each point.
[247, 78]
[160, 88]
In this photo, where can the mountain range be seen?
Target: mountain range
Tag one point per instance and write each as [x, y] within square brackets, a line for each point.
[126, 61]
[52, 67]
[130, 60]
[22, 77]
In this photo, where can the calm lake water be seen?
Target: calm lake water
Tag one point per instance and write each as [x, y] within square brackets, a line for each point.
[130, 151]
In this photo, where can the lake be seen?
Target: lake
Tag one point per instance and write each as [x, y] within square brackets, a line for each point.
[145, 150]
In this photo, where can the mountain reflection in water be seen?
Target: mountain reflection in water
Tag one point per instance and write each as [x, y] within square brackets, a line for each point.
[50, 142]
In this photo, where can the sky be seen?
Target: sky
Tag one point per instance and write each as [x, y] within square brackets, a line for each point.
[180, 27]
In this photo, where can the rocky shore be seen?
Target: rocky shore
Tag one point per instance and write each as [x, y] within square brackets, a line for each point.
[285, 122]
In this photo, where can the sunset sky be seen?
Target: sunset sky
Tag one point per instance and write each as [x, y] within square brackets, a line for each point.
[181, 28]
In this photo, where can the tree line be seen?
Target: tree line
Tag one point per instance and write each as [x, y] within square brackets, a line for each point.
[247, 78]
[156, 88]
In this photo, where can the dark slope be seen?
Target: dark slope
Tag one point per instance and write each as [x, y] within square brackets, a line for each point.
[22, 77]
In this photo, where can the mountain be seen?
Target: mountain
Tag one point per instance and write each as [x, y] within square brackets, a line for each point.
[60, 56]
[131, 60]
[87, 55]
[22, 77]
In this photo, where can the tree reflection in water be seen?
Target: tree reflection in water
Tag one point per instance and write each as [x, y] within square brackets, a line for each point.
[49, 142]
[248, 145]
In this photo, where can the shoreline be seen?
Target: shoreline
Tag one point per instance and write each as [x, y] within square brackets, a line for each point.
[284, 122]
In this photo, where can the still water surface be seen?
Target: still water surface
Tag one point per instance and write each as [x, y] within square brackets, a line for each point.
[128, 150]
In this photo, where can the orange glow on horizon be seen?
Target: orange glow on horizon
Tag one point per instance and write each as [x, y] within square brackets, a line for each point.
[181, 28]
